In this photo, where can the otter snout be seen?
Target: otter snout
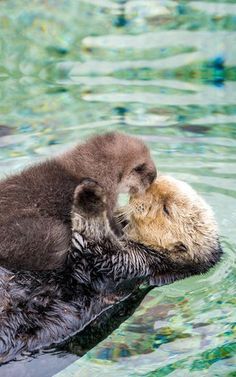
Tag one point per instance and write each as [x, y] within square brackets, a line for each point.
[152, 176]
[149, 176]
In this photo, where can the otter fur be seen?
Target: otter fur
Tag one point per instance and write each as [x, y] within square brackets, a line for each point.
[172, 215]
[38, 309]
[35, 205]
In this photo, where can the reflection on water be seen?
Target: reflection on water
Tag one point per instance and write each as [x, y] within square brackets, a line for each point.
[163, 70]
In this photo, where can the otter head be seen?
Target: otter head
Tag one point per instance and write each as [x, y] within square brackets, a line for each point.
[132, 161]
[172, 215]
[118, 162]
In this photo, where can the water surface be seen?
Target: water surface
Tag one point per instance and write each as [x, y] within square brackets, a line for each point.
[161, 70]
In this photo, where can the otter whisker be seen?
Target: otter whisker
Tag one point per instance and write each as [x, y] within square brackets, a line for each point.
[121, 220]
[124, 211]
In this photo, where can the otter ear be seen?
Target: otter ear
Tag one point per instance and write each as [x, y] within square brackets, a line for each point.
[89, 198]
[178, 247]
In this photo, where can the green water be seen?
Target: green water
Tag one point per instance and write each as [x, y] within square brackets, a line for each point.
[162, 70]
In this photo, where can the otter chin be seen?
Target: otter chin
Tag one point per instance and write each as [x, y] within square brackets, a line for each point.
[173, 216]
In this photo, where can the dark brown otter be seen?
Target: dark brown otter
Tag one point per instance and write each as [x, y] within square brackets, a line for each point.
[41, 308]
[35, 205]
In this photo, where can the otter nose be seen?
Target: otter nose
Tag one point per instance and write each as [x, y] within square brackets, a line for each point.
[152, 176]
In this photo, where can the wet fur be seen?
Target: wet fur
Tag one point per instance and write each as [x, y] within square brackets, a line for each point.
[38, 309]
[35, 205]
[171, 215]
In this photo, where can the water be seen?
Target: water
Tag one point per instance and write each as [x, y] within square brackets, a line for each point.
[162, 70]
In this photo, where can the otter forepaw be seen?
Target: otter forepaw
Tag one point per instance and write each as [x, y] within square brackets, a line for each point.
[89, 199]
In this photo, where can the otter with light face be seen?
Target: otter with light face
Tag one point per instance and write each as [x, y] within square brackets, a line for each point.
[171, 215]
[38, 309]
[35, 205]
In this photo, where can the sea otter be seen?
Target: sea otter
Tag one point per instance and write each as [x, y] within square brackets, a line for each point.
[35, 205]
[38, 309]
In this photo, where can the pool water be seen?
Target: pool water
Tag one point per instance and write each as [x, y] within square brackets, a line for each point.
[161, 70]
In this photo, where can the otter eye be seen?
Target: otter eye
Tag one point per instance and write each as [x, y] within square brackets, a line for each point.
[120, 177]
[140, 168]
[165, 209]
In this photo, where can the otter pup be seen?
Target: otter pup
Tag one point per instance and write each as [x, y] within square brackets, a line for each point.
[35, 205]
[38, 309]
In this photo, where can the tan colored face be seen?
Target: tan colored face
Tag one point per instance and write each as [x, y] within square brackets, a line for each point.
[171, 213]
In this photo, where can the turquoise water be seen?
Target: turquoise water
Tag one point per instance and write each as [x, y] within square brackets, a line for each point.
[162, 70]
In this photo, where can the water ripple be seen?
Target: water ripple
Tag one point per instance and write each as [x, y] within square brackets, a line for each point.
[161, 70]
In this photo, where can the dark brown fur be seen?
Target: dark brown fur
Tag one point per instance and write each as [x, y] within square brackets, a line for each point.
[41, 308]
[35, 205]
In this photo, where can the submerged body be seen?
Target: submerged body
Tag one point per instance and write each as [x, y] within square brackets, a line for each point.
[39, 309]
[35, 205]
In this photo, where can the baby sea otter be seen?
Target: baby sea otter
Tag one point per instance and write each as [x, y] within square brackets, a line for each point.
[35, 205]
[38, 309]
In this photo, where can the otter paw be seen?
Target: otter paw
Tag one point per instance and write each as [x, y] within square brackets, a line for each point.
[89, 198]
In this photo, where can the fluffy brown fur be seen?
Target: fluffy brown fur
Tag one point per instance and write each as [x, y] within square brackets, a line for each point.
[35, 205]
[170, 214]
